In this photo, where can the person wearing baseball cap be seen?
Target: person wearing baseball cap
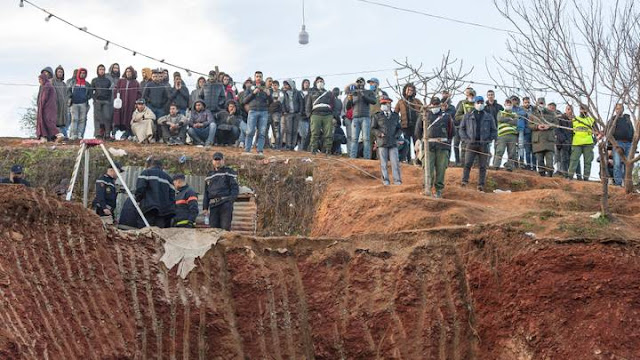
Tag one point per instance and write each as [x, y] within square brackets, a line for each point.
[186, 203]
[477, 131]
[385, 126]
[106, 193]
[15, 177]
[221, 190]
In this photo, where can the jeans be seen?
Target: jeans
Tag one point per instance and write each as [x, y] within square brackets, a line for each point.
[78, 121]
[243, 132]
[291, 130]
[361, 124]
[529, 156]
[618, 165]
[564, 154]
[208, 133]
[386, 155]
[476, 150]
[102, 118]
[177, 134]
[321, 124]
[303, 131]
[257, 120]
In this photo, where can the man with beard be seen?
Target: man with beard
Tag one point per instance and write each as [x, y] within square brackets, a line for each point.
[409, 108]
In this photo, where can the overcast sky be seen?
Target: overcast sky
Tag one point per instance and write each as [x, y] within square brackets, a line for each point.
[240, 36]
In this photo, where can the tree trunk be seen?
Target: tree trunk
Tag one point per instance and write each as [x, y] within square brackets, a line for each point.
[425, 146]
[604, 179]
[628, 177]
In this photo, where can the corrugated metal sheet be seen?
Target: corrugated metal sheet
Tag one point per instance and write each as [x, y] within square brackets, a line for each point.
[245, 210]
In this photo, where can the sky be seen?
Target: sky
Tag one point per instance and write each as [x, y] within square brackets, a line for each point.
[241, 36]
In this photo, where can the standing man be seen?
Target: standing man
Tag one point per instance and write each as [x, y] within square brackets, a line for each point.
[564, 137]
[106, 193]
[477, 130]
[530, 157]
[623, 133]
[102, 104]
[441, 129]
[493, 107]
[156, 195]
[582, 143]
[186, 203]
[409, 108]
[360, 101]
[179, 94]
[15, 177]
[320, 109]
[62, 120]
[128, 90]
[386, 128]
[47, 113]
[275, 113]
[292, 109]
[79, 94]
[543, 137]
[156, 96]
[257, 100]
[221, 190]
[463, 108]
[507, 137]
[213, 94]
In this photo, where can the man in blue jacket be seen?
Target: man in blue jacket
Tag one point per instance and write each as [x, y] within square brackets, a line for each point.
[477, 131]
[221, 190]
[156, 195]
[106, 193]
[186, 203]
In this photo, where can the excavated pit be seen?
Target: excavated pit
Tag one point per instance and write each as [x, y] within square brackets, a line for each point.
[371, 284]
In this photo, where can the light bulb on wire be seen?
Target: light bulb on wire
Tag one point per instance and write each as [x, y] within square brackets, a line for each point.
[48, 18]
[106, 45]
[303, 37]
[188, 72]
[84, 28]
[21, 3]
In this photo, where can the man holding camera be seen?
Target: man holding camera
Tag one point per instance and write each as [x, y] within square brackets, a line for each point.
[360, 100]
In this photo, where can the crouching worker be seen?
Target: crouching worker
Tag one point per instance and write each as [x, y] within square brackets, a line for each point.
[106, 193]
[385, 125]
[221, 190]
[186, 203]
[441, 129]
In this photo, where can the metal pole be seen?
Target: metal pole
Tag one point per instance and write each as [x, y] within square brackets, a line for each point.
[76, 169]
[85, 193]
[126, 188]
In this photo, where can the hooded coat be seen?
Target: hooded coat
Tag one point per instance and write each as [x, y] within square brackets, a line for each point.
[61, 97]
[214, 96]
[129, 91]
[197, 93]
[47, 110]
[293, 101]
[48, 69]
[146, 78]
[113, 75]
[409, 109]
[80, 90]
[101, 86]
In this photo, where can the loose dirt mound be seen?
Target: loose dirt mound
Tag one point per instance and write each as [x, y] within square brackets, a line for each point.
[70, 289]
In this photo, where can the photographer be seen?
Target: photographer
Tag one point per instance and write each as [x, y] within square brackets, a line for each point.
[360, 100]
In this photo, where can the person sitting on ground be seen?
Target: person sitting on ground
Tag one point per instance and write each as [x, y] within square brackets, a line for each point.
[174, 127]
[106, 193]
[228, 122]
[15, 177]
[202, 127]
[142, 122]
[221, 190]
[186, 203]
[385, 126]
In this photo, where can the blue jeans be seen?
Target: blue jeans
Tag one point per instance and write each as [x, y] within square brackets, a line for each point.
[361, 124]
[208, 133]
[387, 155]
[257, 120]
[618, 165]
[78, 121]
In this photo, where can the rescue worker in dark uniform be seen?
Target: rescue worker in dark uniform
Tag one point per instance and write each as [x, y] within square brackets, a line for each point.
[156, 195]
[221, 190]
[186, 203]
[106, 193]
[15, 177]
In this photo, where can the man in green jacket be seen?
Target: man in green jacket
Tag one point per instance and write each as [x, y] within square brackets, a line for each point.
[582, 143]
[543, 137]
[463, 108]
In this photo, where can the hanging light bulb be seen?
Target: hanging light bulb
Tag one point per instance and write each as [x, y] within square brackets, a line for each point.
[21, 3]
[106, 45]
[135, 53]
[188, 72]
[162, 61]
[303, 37]
[48, 18]
[84, 28]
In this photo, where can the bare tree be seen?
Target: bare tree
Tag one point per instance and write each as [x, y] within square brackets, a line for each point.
[29, 118]
[449, 75]
[570, 47]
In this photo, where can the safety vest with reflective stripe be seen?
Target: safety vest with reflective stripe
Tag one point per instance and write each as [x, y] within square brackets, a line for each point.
[582, 130]
[506, 128]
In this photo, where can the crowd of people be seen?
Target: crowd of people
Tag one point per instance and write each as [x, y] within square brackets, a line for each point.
[316, 119]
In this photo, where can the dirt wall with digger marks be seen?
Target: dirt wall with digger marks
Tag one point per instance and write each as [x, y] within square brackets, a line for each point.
[71, 289]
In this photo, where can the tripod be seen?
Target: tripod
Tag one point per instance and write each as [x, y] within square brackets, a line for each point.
[84, 147]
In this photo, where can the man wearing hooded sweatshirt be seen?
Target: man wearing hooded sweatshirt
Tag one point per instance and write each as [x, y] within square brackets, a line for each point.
[361, 101]
[79, 93]
[62, 119]
[257, 99]
[146, 78]
[179, 94]
[303, 124]
[47, 71]
[197, 93]
[156, 96]
[128, 90]
[320, 108]
[102, 104]
[213, 94]
[292, 109]
[202, 127]
[47, 111]
[114, 73]
[409, 108]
